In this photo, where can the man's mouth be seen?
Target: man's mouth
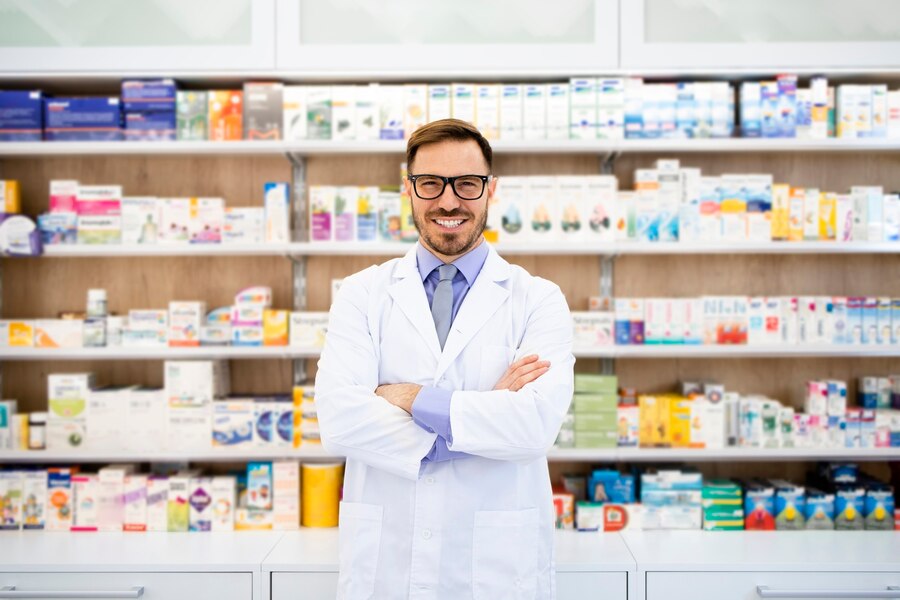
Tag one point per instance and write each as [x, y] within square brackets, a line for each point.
[449, 224]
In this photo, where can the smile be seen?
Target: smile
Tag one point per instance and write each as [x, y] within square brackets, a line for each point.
[449, 223]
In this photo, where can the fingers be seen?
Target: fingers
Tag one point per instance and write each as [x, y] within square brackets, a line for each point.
[520, 382]
[528, 368]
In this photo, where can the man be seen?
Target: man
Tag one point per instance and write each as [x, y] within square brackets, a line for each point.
[431, 385]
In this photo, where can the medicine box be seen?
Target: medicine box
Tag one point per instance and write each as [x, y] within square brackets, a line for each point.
[343, 112]
[58, 333]
[294, 109]
[157, 503]
[21, 115]
[34, 499]
[263, 111]
[140, 220]
[277, 213]
[225, 115]
[192, 116]
[243, 225]
[200, 515]
[149, 95]
[145, 419]
[153, 126]
[233, 423]
[174, 220]
[82, 119]
[286, 501]
[259, 486]
[185, 320]
[224, 500]
[59, 499]
[85, 494]
[308, 329]
[207, 219]
[178, 512]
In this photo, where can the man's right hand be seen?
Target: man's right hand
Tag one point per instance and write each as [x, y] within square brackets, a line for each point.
[525, 370]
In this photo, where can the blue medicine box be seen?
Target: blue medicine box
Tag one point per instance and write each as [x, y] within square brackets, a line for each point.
[21, 116]
[150, 126]
[96, 118]
[146, 95]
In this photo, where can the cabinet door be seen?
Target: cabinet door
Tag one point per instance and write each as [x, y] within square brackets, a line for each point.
[163, 36]
[156, 586]
[743, 585]
[736, 35]
[586, 585]
[304, 586]
[465, 37]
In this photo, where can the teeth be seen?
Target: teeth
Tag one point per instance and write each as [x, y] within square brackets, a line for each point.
[449, 224]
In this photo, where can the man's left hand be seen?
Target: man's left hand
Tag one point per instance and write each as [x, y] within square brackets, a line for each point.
[399, 394]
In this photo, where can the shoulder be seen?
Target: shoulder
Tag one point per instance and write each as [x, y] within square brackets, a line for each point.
[535, 290]
[369, 280]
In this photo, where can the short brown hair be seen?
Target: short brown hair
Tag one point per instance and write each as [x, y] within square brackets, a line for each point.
[447, 129]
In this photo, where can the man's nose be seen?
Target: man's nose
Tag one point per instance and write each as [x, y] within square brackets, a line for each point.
[448, 200]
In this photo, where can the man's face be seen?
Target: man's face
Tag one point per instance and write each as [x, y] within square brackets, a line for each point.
[449, 225]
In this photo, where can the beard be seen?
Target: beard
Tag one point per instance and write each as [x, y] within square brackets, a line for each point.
[449, 243]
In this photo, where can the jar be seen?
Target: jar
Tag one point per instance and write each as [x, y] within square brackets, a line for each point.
[37, 431]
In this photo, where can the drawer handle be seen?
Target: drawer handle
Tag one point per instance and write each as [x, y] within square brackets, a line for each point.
[10, 591]
[764, 591]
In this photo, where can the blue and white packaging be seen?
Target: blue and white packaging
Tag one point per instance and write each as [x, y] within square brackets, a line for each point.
[722, 111]
[751, 109]
[150, 126]
[611, 486]
[787, 106]
[82, 119]
[58, 228]
[232, 423]
[149, 95]
[21, 116]
[769, 123]
[685, 110]
[634, 108]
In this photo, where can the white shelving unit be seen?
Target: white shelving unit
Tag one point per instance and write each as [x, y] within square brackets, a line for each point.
[162, 353]
[311, 454]
[325, 147]
[508, 249]
[742, 351]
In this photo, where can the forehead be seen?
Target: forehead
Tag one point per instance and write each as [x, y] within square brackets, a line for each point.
[450, 158]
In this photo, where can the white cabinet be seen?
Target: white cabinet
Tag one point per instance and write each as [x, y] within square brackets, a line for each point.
[154, 586]
[730, 585]
[162, 36]
[304, 586]
[736, 35]
[466, 37]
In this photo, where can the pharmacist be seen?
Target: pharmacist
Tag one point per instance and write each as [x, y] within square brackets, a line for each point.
[431, 385]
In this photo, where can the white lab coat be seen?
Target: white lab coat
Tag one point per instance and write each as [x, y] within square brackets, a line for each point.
[478, 527]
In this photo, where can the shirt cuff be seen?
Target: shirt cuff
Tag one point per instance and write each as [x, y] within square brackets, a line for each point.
[431, 411]
[440, 453]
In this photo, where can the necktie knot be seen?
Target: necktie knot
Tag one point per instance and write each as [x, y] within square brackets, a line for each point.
[447, 272]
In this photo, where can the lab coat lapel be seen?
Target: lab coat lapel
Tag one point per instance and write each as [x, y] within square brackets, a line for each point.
[409, 294]
[479, 305]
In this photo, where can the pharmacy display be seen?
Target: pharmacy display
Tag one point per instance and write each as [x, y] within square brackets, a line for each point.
[582, 108]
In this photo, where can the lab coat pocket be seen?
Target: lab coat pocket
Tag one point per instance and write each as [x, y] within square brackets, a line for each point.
[494, 362]
[359, 541]
[505, 554]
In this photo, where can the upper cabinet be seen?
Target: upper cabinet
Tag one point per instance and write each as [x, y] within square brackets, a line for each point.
[167, 36]
[465, 37]
[738, 35]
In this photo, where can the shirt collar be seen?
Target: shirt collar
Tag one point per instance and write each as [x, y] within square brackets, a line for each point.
[469, 264]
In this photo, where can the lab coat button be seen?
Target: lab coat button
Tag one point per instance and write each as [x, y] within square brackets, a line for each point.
[426, 534]
[429, 480]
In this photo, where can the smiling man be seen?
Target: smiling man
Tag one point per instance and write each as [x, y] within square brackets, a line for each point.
[444, 380]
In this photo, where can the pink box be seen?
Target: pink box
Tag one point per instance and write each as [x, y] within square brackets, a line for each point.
[99, 208]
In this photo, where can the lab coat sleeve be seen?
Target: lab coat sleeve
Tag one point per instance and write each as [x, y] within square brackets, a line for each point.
[354, 421]
[522, 426]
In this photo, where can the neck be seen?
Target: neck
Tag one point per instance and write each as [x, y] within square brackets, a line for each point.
[449, 258]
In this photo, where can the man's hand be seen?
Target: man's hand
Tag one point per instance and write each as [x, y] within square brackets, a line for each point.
[399, 394]
[525, 370]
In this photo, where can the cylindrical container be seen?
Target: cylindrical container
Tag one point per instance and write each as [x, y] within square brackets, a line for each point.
[37, 431]
[96, 303]
[321, 494]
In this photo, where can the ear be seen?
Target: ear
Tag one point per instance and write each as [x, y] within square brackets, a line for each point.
[492, 187]
[407, 186]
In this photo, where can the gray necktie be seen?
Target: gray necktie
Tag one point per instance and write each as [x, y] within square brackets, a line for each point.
[442, 303]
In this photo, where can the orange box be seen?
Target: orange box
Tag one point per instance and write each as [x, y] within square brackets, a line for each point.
[680, 422]
[21, 334]
[226, 115]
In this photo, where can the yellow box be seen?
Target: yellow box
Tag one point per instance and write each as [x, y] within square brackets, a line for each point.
[10, 196]
[275, 327]
[828, 216]
[781, 207]
[320, 495]
[680, 421]
[654, 421]
[795, 218]
[21, 334]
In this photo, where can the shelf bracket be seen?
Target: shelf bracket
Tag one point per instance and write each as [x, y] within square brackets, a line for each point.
[299, 233]
[608, 162]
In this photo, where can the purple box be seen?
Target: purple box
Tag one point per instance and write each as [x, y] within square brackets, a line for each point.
[97, 118]
[21, 116]
[146, 95]
[150, 126]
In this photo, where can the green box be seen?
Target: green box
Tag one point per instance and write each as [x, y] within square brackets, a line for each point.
[722, 513]
[721, 489]
[601, 421]
[723, 525]
[593, 403]
[596, 439]
[589, 383]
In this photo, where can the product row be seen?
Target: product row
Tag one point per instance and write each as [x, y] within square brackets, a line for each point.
[193, 411]
[741, 320]
[835, 496]
[249, 321]
[705, 416]
[581, 108]
[265, 496]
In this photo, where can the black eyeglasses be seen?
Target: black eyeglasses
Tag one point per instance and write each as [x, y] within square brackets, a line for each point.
[466, 187]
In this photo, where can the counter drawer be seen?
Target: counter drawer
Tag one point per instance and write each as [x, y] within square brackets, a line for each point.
[304, 586]
[577, 585]
[157, 586]
[742, 585]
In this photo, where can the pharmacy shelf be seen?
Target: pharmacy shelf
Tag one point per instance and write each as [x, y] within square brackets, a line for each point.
[327, 147]
[314, 453]
[724, 454]
[163, 353]
[742, 351]
[297, 249]
[317, 453]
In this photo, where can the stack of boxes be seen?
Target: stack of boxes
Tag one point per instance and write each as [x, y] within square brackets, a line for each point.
[149, 109]
[248, 316]
[723, 508]
[595, 404]
[672, 500]
[67, 398]
[190, 388]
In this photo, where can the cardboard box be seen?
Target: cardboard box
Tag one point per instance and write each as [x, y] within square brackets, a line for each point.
[192, 116]
[21, 115]
[226, 115]
[263, 111]
[82, 119]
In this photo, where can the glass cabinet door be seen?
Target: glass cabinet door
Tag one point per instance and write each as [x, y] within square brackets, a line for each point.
[447, 36]
[151, 35]
[767, 34]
